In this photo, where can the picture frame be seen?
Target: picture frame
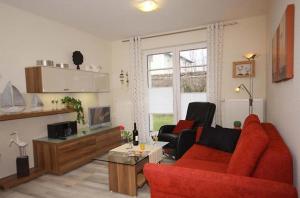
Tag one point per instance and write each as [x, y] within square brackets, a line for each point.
[241, 69]
[283, 47]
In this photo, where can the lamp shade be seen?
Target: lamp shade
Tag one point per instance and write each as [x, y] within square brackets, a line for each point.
[250, 55]
[237, 90]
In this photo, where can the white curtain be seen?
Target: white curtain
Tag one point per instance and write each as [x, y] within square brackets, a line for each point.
[138, 89]
[214, 72]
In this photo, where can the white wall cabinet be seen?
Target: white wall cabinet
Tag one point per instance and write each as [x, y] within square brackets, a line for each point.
[57, 80]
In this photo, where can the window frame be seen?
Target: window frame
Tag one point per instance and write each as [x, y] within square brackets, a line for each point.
[175, 50]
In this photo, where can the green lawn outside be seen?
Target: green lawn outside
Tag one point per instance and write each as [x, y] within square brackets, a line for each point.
[161, 119]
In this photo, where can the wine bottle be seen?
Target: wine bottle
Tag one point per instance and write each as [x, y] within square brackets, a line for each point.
[135, 135]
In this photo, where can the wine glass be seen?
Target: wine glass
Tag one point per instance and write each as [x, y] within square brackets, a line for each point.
[154, 138]
[127, 135]
[56, 104]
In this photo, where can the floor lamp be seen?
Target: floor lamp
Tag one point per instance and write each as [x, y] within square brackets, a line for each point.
[238, 89]
[250, 57]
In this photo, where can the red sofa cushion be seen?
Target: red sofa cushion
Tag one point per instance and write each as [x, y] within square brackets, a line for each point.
[250, 147]
[202, 165]
[183, 124]
[250, 119]
[198, 134]
[276, 163]
[200, 152]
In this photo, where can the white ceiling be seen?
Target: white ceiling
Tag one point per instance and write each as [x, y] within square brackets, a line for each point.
[119, 19]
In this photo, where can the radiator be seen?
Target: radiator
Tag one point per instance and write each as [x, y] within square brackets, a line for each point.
[238, 110]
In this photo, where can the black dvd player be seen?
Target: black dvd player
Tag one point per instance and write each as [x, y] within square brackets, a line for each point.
[62, 129]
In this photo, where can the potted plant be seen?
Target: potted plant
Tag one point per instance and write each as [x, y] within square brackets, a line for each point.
[237, 124]
[75, 104]
[126, 135]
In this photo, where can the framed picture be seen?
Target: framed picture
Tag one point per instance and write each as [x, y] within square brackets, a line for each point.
[242, 69]
[283, 47]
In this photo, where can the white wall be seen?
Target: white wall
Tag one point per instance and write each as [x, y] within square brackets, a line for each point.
[25, 38]
[248, 35]
[283, 99]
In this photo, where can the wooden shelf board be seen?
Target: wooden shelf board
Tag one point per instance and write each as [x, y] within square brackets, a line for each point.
[22, 115]
[13, 180]
[141, 180]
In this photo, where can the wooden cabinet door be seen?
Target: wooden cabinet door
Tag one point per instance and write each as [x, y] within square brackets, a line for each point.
[82, 81]
[108, 141]
[73, 82]
[101, 82]
[54, 80]
[75, 153]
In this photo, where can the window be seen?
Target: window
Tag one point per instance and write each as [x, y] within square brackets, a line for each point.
[176, 77]
[193, 70]
[160, 83]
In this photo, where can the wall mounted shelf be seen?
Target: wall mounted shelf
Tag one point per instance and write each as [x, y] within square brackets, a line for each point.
[41, 79]
[31, 114]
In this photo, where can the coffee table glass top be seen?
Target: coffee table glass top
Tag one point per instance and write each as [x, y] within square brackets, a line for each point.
[122, 155]
[122, 158]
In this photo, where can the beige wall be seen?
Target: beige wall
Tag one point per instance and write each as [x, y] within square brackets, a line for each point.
[248, 35]
[283, 99]
[24, 38]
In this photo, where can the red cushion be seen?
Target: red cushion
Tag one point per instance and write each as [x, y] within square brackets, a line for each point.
[250, 119]
[183, 124]
[276, 163]
[202, 165]
[248, 151]
[198, 134]
[200, 152]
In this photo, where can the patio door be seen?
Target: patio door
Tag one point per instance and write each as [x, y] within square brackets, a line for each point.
[176, 77]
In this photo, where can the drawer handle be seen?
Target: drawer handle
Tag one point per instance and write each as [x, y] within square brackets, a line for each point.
[66, 89]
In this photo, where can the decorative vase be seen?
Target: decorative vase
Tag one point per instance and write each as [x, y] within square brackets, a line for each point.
[22, 166]
[129, 143]
[237, 124]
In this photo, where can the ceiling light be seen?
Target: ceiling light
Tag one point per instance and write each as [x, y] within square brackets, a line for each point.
[148, 5]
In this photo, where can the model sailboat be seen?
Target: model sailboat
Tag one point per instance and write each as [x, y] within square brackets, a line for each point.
[36, 103]
[12, 100]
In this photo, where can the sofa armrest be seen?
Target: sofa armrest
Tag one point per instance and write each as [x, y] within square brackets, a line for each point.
[186, 139]
[173, 181]
[166, 129]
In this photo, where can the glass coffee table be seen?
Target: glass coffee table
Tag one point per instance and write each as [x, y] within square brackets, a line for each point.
[125, 166]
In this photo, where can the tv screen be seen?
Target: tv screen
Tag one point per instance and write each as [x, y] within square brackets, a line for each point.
[99, 117]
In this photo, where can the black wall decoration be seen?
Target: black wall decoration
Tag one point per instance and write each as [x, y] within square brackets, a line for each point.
[77, 58]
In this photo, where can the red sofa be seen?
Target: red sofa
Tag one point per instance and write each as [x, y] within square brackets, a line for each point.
[261, 166]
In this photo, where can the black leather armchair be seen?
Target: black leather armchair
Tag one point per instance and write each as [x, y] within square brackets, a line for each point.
[202, 113]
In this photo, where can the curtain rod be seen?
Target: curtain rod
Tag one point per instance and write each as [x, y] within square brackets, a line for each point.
[179, 32]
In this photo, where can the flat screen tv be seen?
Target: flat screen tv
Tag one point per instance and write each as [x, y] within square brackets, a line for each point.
[99, 117]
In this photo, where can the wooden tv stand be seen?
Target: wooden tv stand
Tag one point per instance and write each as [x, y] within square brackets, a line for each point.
[57, 156]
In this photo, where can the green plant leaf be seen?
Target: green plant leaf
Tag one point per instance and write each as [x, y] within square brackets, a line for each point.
[76, 105]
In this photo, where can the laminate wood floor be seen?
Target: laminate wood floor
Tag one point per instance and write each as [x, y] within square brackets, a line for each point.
[89, 181]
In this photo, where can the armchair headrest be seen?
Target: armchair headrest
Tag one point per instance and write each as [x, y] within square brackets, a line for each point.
[202, 113]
